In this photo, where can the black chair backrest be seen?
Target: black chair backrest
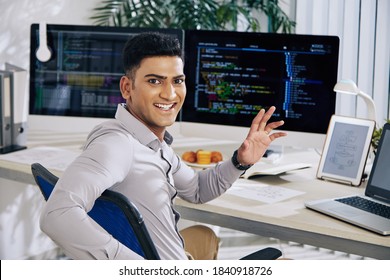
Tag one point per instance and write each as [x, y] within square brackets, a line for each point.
[112, 211]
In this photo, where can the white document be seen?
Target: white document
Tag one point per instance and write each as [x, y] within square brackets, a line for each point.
[261, 192]
[49, 157]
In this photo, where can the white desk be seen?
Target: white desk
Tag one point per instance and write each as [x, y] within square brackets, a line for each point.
[286, 220]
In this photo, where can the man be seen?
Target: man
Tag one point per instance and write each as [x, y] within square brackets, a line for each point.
[132, 155]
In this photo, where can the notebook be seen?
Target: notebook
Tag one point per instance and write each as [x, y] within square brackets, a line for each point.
[377, 194]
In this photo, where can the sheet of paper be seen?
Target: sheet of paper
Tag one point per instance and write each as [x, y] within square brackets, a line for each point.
[50, 157]
[261, 192]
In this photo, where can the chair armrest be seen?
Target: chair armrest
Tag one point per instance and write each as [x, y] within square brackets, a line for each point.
[264, 254]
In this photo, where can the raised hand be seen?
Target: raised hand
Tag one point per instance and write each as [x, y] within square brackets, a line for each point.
[260, 136]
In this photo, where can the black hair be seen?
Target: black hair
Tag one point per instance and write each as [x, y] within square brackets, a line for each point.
[146, 45]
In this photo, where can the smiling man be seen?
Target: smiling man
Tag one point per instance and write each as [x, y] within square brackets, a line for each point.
[131, 154]
[155, 94]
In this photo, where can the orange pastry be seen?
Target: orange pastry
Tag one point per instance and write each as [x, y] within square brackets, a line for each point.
[189, 156]
[216, 156]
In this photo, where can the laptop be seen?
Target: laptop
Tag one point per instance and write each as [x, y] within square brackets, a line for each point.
[371, 210]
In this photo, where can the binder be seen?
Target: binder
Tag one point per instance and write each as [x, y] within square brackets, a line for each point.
[20, 93]
[12, 84]
[5, 108]
[20, 103]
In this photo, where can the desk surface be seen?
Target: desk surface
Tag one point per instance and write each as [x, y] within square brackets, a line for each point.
[287, 220]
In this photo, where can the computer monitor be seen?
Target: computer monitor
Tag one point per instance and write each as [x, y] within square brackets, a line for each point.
[230, 76]
[81, 79]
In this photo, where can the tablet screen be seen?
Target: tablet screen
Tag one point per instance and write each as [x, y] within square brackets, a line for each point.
[346, 149]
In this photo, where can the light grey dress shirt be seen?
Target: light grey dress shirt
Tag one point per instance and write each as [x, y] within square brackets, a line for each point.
[125, 156]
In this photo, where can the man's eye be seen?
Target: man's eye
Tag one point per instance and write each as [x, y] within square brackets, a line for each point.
[154, 81]
[179, 81]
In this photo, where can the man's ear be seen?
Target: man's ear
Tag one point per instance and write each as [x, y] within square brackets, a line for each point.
[125, 87]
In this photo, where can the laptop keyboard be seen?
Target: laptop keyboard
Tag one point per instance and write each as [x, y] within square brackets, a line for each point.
[367, 205]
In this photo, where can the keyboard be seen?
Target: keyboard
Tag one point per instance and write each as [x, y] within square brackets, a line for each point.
[367, 205]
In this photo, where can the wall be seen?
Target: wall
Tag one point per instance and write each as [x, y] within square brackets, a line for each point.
[20, 14]
[363, 29]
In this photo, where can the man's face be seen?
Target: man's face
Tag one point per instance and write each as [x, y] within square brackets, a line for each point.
[157, 93]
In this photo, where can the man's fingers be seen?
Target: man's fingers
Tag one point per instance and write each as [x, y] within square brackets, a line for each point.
[275, 135]
[260, 121]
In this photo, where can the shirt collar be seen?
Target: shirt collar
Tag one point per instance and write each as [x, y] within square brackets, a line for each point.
[138, 130]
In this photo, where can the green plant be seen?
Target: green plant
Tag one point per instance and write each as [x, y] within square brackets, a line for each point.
[193, 14]
[376, 136]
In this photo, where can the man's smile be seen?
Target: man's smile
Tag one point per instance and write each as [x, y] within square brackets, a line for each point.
[165, 107]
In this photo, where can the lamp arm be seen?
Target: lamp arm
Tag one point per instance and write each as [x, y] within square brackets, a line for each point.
[370, 105]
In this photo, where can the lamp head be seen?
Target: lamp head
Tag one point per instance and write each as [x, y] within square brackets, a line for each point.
[346, 86]
[349, 87]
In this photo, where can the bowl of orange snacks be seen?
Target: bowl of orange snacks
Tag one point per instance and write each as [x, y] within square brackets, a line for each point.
[202, 158]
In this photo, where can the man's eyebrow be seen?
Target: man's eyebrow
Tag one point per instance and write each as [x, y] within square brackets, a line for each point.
[156, 76]
[164, 77]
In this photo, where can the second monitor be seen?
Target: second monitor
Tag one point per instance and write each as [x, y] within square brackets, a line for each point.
[230, 76]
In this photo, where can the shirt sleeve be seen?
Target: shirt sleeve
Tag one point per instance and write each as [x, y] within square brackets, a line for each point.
[205, 185]
[95, 170]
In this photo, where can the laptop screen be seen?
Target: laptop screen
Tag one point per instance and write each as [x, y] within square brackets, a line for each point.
[379, 181]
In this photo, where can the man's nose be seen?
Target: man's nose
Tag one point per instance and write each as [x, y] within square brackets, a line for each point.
[168, 92]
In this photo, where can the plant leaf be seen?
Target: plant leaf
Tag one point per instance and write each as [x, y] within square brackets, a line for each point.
[192, 14]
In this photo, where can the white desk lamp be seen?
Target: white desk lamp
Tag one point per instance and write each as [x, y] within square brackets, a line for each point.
[349, 87]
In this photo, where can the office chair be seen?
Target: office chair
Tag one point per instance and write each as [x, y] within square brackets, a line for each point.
[112, 211]
[121, 218]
